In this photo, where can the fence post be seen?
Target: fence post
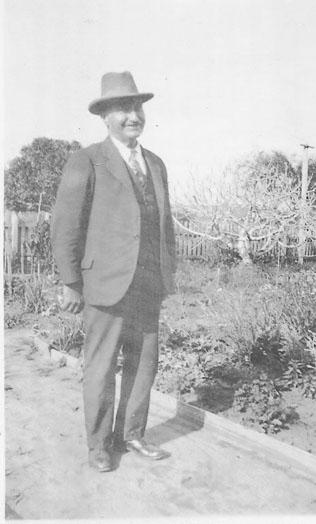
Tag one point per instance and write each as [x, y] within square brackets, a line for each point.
[22, 247]
[8, 260]
[304, 187]
[14, 231]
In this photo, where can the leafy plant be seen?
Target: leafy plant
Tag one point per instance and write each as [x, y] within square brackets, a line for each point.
[35, 299]
[299, 375]
[12, 319]
[261, 401]
[187, 359]
[29, 292]
[268, 351]
[309, 386]
[40, 246]
[70, 335]
[14, 287]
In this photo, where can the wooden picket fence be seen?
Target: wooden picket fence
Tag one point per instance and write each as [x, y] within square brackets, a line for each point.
[19, 259]
[193, 246]
[188, 246]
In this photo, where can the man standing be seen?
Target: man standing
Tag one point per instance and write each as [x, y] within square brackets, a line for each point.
[113, 242]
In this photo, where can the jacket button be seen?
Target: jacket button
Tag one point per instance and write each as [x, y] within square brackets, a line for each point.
[136, 237]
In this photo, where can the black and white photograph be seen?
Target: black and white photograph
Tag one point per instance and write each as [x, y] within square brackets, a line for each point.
[159, 261]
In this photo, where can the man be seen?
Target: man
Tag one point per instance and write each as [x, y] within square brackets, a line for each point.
[113, 241]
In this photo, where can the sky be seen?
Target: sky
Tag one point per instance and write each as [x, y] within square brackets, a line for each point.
[229, 76]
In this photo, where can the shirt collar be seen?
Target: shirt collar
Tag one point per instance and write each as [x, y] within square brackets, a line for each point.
[124, 150]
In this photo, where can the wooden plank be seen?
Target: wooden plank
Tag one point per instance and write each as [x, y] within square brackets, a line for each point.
[235, 434]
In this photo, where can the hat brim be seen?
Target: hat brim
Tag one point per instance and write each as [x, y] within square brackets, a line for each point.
[97, 106]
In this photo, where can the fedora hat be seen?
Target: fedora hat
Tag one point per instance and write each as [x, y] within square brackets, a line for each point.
[114, 87]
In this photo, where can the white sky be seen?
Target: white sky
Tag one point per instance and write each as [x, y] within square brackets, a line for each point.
[229, 76]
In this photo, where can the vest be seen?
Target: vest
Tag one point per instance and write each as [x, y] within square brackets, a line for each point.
[148, 263]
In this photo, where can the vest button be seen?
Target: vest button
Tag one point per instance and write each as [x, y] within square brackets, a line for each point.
[136, 237]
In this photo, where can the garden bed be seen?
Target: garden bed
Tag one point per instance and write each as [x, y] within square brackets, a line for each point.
[237, 341]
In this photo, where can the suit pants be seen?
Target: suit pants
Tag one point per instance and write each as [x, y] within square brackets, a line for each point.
[132, 326]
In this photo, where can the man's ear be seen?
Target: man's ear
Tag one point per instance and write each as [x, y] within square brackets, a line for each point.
[105, 119]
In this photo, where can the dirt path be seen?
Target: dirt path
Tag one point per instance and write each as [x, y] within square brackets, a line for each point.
[47, 474]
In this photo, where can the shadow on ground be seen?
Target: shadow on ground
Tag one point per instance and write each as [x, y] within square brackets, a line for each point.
[186, 420]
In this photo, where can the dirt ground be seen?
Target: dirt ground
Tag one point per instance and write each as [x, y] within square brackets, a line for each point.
[47, 475]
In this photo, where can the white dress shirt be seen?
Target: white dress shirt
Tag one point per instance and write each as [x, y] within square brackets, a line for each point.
[125, 153]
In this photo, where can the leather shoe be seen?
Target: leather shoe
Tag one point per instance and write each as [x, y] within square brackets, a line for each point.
[100, 460]
[145, 450]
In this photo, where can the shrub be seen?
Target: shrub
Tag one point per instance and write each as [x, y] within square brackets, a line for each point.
[14, 287]
[35, 299]
[299, 375]
[178, 373]
[262, 403]
[70, 335]
[268, 351]
[266, 320]
[14, 305]
[299, 313]
[30, 292]
[40, 246]
[13, 319]
[188, 358]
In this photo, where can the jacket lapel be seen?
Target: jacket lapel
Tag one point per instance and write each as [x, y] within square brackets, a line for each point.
[117, 167]
[115, 163]
[157, 180]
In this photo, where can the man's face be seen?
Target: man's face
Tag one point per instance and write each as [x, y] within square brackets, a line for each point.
[125, 121]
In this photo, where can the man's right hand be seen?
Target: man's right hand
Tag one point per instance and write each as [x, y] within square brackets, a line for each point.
[72, 298]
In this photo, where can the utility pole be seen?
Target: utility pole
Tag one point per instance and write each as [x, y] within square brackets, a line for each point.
[302, 224]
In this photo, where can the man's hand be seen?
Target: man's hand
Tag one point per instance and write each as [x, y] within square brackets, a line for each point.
[72, 298]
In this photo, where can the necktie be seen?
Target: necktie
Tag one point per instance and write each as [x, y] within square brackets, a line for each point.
[139, 175]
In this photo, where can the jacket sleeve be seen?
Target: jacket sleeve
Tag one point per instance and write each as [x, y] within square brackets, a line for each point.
[71, 216]
[170, 234]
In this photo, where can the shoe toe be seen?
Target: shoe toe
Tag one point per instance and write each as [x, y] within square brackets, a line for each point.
[101, 462]
[146, 450]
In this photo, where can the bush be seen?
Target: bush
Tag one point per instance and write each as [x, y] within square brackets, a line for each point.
[69, 336]
[13, 319]
[262, 403]
[29, 291]
[189, 359]
[299, 313]
[27, 294]
[35, 299]
[14, 288]
[266, 320]
[299, 375]
[180, 368]
[40, 246]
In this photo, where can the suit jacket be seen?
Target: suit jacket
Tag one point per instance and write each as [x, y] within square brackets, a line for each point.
[96, 223]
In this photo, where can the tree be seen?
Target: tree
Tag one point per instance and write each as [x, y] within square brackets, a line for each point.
[265, 165]
[311, 177]
[261, 205]
[32, 179]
